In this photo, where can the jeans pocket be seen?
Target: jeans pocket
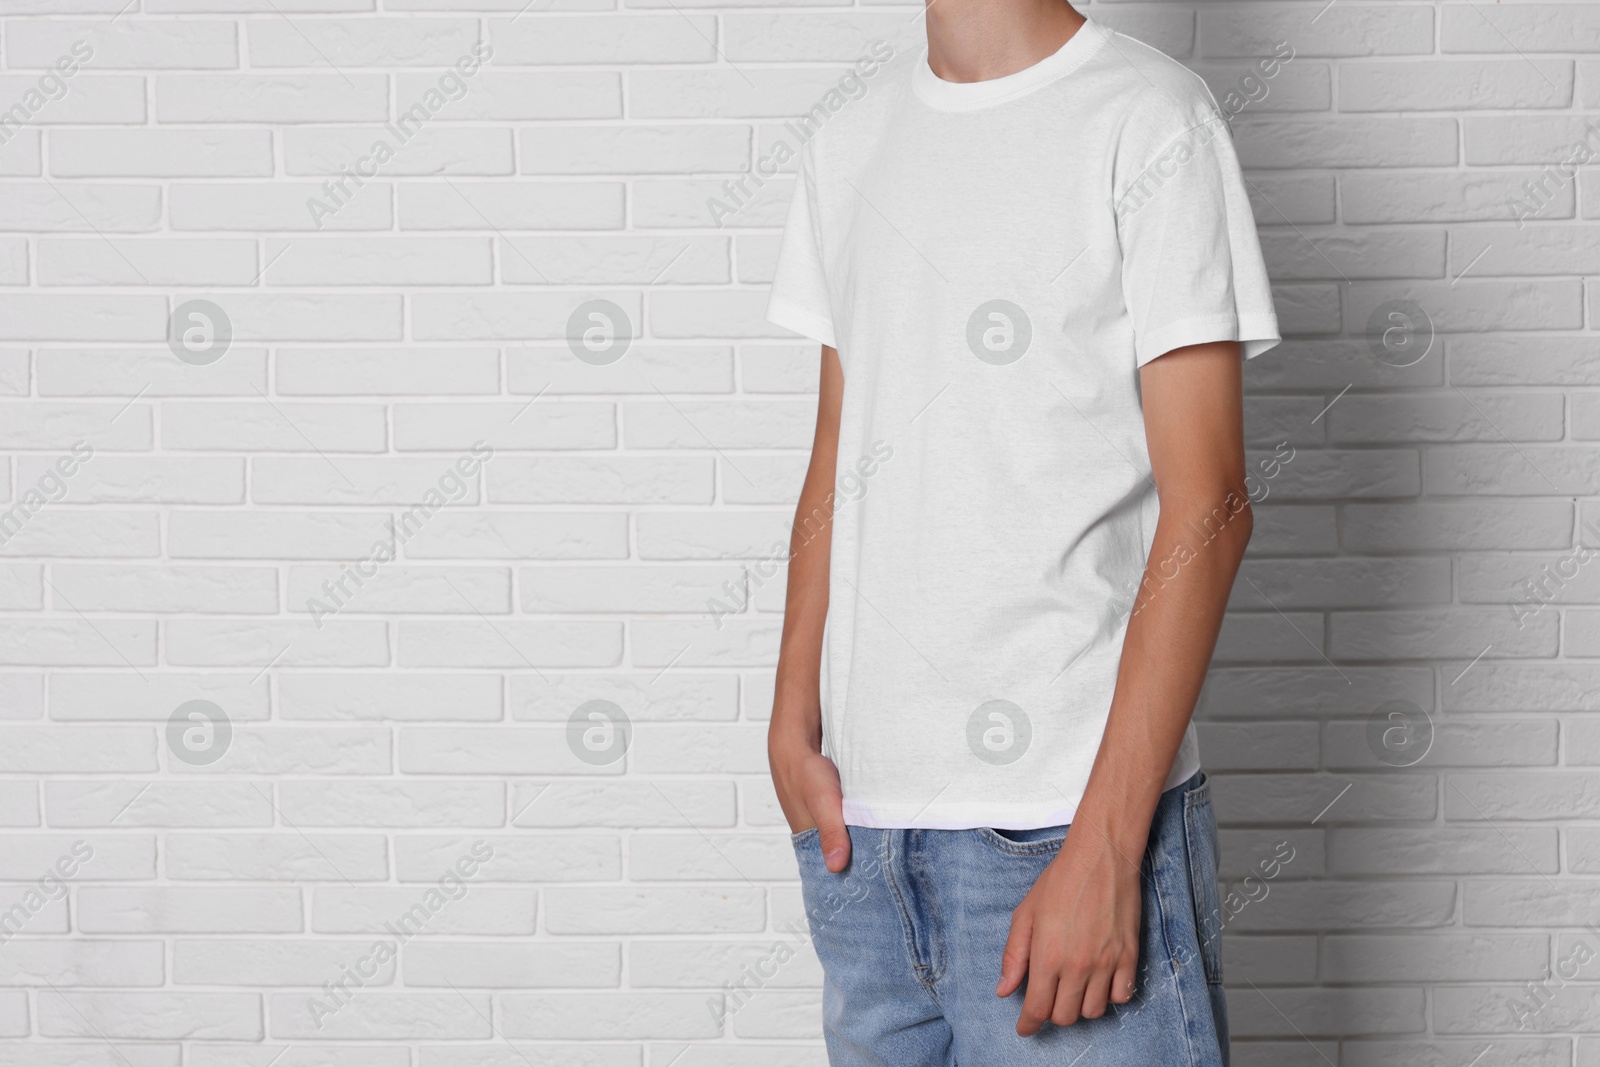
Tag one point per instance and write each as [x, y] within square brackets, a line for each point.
[1043, 842]
[1200, 838]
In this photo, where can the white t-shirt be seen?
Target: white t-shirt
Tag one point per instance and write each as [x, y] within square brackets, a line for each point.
[994, 261]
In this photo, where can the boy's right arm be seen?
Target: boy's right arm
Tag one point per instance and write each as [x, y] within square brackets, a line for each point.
[806, 781]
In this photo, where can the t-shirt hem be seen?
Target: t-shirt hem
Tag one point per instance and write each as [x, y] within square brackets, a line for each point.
[892, 816]
[781, 312]
[1255, 333]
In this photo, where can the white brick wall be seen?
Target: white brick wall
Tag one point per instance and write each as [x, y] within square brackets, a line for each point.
[161, 910]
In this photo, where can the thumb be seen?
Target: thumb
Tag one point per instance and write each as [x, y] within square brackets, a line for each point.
[825, 802]
[1014, 960]
[832, 836]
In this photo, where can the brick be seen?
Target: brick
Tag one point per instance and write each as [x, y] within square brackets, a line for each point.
[671, 149]
[628, 589]
[1454, 84]
[479, 911]
[265, 963]
[520, 857]
[1502, 795]
[1358, 30]
[402, 483]
[255, 644]
[1438, 851]
[342, 261]
[514, 645]
[68, 750]
[1458, 417]
[97, 99]
[125, 697]
[504, 427]
[496, 315]
[158, 153]
[101, 534]
[1482, 469]
[77, 643]
[271, 98]
[508, 966]
[84, 962]
[490, 206]
[1455, 743]
[415, 1016]
[503, 95]
[574, 480]
[1281, 143]
[208, 910]
[606, 40]
[1440, 633]
[360, 42]
[280, 857]
[125, 44]
[643, 697]
[574, 910]
[396, 804]
[520, 536]
[410, 697]
[645, 369]
[703, 805]
[1380, 254]
[386, 372]
[1534, 1052]
[1525, 28]
[274, 206]
[429, 151]
[53, 317]
[130, 804]
[223, 534]
[90, 857]
[1454, 196]
[1330, 800]
[1449, 526]
[168, 589]
[1278, 960]
[497, 751]
[158, 261]
[1339, 1011]
[1486, 1009]
[611, 1016]
[1342, 583]
[151, 1016]
[1515, 687]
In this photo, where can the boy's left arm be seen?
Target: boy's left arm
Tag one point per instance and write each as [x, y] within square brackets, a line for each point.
[1075, 937]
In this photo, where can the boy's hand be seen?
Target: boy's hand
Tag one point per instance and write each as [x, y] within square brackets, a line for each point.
[808, 789]
[1075, 936]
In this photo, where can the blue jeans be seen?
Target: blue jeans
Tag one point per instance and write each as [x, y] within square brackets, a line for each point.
[910, 937]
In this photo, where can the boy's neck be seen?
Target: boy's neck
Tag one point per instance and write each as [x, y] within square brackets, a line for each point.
[978, 40]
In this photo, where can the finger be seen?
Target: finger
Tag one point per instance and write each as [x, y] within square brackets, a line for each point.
[1069, 997]
[1123, 983]
[1096, 992]
[1038, 1001]
[1014, 960]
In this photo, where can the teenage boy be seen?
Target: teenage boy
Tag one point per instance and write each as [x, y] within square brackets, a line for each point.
[1031, 264]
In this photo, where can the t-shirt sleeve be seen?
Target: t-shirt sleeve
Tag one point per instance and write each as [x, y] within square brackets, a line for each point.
[1191, 261]
[799, 299]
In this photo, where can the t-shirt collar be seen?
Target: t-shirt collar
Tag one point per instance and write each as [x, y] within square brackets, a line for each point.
[970, 96]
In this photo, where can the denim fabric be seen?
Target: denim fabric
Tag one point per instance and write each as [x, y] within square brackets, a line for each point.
[910, 937]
